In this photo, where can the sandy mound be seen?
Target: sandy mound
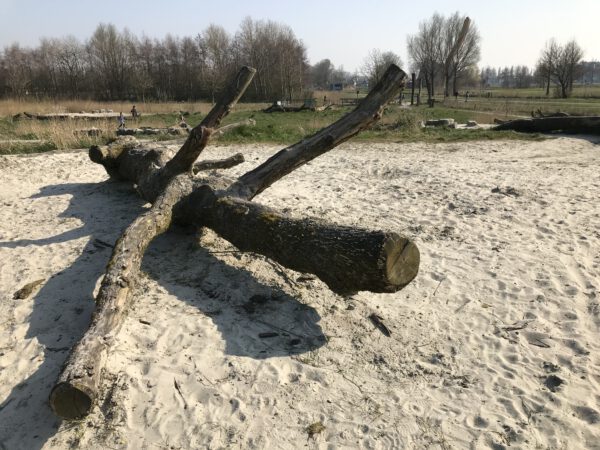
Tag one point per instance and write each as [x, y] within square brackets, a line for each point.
[494, 345]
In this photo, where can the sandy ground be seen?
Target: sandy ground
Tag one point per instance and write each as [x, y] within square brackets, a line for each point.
[494, 345]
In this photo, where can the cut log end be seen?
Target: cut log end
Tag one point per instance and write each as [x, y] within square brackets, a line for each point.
[97, 154]
[70, 401]
[402, 261]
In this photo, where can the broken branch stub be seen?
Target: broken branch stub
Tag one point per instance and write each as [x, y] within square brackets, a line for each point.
[348, 259]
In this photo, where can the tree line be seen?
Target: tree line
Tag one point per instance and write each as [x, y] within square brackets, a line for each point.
[114, 64]
[117, 65]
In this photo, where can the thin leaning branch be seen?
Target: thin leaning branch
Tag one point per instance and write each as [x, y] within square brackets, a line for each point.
[198, 138]
[285, 161]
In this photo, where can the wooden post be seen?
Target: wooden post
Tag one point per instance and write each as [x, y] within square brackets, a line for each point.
[412, 90]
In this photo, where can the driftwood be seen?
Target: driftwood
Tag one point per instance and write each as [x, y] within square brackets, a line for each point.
[233, 126]
[539, 114]
[277, 107]
[182, 130]
[348, 259]
[149, 131]
[70, 116]
[568, 124]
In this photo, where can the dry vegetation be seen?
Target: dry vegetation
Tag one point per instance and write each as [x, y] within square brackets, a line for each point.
[10, 107]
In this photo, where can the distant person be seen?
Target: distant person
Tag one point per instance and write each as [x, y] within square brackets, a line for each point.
[182, 122]
[466, 96]
[456, 95]
[134, 113]
[121, 120]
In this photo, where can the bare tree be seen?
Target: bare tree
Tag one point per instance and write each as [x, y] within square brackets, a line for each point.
[71, 65]
[560, 63]
[216, 44]
[321, 73]
[424, 49]
[17, 70]
[110, 53]
[547, 62]
[278, 56]
[446, 46]
[464, 50]
[377, 62]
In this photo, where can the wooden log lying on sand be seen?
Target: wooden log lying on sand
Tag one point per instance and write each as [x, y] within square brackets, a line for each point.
[70, 116]
[183, 130]
[568, 124]
[348, 259]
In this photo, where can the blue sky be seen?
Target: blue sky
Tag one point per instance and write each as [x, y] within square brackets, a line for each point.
[513, 32]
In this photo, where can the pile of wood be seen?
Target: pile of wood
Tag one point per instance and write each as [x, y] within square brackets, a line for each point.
[347, 259]
[147, 131]
[183, 129]
[279, 107]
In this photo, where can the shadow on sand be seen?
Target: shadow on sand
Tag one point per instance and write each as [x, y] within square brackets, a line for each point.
[241, 310]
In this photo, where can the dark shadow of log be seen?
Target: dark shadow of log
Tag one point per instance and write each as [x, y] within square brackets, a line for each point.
[63, 305]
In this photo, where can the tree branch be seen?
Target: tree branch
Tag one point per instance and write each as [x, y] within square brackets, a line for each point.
[77, 386]
[290, 158]
[198, 138]
[211, 164]
[233, 126]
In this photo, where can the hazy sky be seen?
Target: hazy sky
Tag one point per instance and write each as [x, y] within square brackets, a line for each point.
[512, 31]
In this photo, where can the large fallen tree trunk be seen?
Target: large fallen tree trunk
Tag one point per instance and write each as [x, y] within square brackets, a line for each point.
[568, 124]
[348, 259]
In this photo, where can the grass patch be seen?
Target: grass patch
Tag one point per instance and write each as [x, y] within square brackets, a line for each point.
[398, 124]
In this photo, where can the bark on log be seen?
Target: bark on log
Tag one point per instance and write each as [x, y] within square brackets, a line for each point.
[569, 124]
[346, 258]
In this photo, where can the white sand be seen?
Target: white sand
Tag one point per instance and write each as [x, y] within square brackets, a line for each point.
[507, 296]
